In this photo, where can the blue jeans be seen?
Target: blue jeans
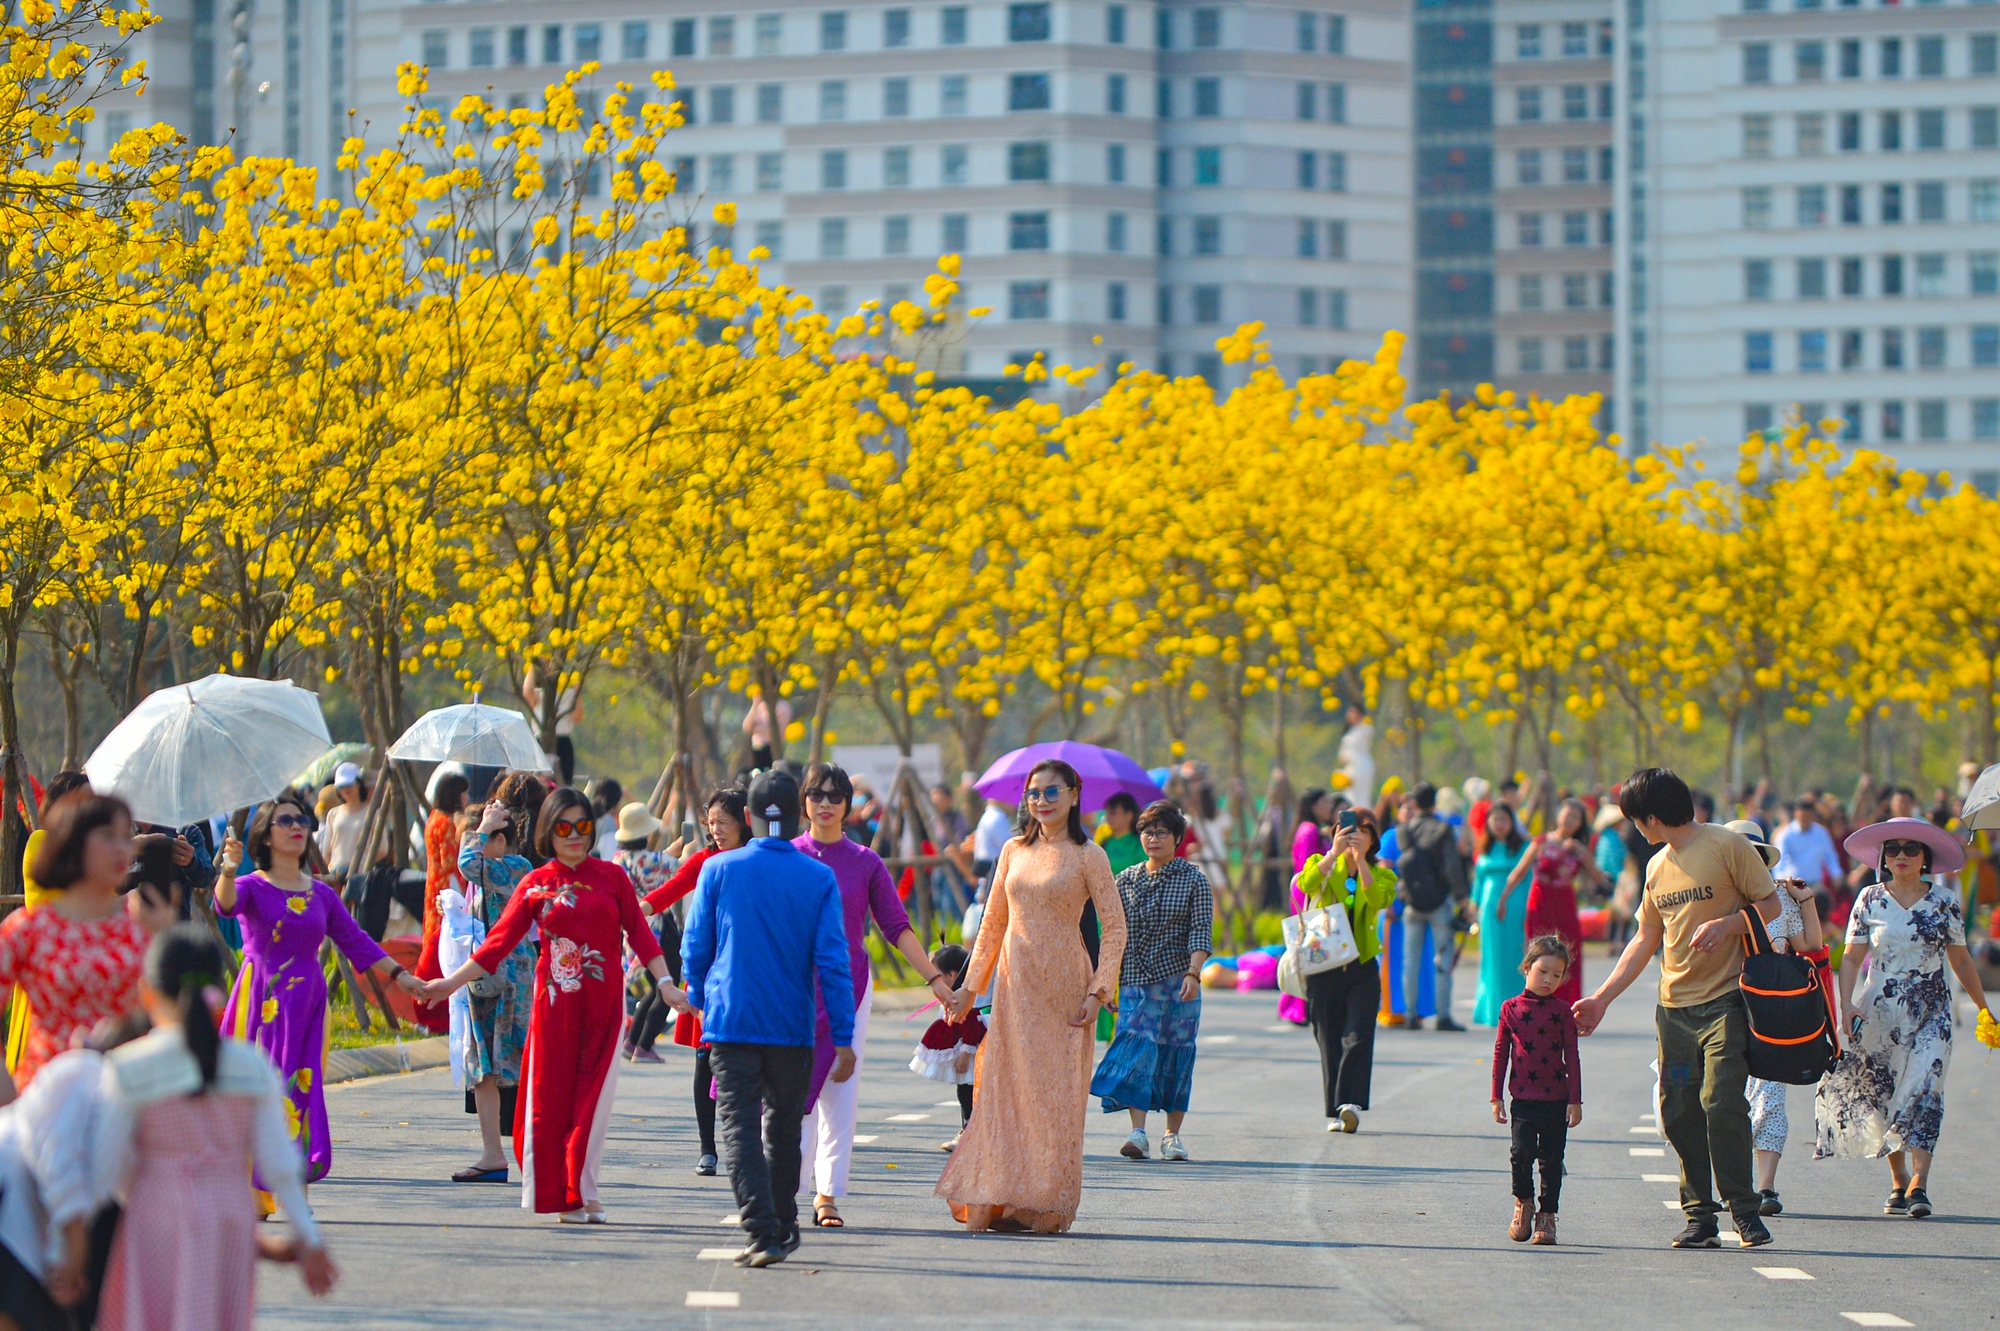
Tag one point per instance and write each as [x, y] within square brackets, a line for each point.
[1420, 928]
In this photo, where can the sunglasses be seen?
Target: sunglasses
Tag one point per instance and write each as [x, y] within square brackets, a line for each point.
[1914, 849]
[1046, 794]
[1145, 832]
[824, 796]
[298, 820]
[564, 827]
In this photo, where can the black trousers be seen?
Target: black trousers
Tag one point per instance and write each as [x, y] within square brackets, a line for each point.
[1540, 1131]
[653, 1014]
[964, 1104]
[704, 1102]
[762, 1087]
[566, 758]
[1341, 1005]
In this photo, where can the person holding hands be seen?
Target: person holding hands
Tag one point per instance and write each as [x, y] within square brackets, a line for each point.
[1537, 1040]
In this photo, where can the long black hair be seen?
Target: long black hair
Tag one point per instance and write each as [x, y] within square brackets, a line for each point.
[181, 965]
[257, 838]
[1028, 829]
[1310, 801]
[71, 820]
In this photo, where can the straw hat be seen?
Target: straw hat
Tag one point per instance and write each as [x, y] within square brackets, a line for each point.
[1947, 852]
[636, 822]
[1754, 834]
[1608, 815]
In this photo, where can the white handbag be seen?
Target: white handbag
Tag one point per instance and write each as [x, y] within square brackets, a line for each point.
[1318, 938]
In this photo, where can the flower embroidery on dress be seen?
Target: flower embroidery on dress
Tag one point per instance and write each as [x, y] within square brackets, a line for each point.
[570, 962]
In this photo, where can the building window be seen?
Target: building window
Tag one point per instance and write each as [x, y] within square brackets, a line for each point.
[1114, 94]
[589, 42]
[1207, 29]
[770, 34]
[1528, 166]
[1208, 235]
[1930, 201]
[1576, 291]
[1528, 291]
[1892, 274]
[1757, 207]
[833, 99]
[770, 171]
[1986, 422]
[1528, 41]
[833, 238]
[955, 164]
[680, 38]
[1528, 230]
[1984, 267]
[1890, 135]
[1336, 240]
[1163, 168]
[1028, 300]
[770, 103]
[1208, 97]
[1892, 203]
[1756, 353]
[1308, 238]
[1576, 166]
[480, 55]
[1809, 205]
[1892, 422]
[1528, 355]
[1931, 344]
[1527, 105]
[951, 25]
[1756, 279]
[1850, 131]
[1986, 126]
[1809, 61]
[1850, 59]
[1027, 231]
[722, 106]
[771, 239]
[833, 30]
[833, 169]
[1336, 103]
[895, 235]
[895, 28]
[1930, 57]
[1208, 166]
[1757, 62]
[1850, 277]
[1114, 233]
[1336, 171]
[517, 46]
[437, 47]
[1576, 41]
[1336, 34]
[1114, 302]
[1986, 345]
[1810, 134]
[1336, 309]
[1892, 348]
[1028, 23]
[896, 168]
[1114, 25]
[1308, 316]
[952, 95]
[1757, 136]
[1308, 170]
[1812, 279]
[1163, 29]
[1757, 417]
[722, 171]
[1983, 201]
[953, 231]
[1850, 349]
[1207, 305]
[1576, 229]
[1306, 102]
[1850, 205]
[1850, 422]
[1985, 53]
[1163, 235]
[1930, 130]
[1576, 102]
[1027, 161]
[1812, 351]
[1890, 62]
[1114, 163]
[895, 98]
[1576, 353]
[1028, 92]
[1930, 275]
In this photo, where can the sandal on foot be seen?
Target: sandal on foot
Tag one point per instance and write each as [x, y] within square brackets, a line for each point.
[826, 1216]
[476, 1174]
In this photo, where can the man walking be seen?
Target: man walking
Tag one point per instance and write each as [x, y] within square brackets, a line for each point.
[1433, 886]
[766, 920]
[1695, 893]
[1805, 849]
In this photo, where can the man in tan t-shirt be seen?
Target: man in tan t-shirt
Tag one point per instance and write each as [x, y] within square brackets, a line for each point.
[1691, 913]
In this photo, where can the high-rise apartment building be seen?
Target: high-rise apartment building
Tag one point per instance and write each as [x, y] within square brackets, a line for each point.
[1812, 219]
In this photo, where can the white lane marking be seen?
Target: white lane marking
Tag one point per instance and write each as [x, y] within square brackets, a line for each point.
[1650, 1132]
[908, 1118]
[1650, 1118]
[1648, 1151]
[1781, 1273]
[717, 1254]
[947, 1104]
[1876, 1319]
[714, 1298]
[1218, 1039]
[1661, 1178]
[731, 1219]
[865, 1139]
[1671, 1206]
[1282, 1026]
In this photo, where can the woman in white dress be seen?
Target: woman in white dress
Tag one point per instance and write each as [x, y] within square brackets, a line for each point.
[1886, 1094]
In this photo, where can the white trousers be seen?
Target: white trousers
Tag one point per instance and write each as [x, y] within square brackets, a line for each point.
[826, 1136]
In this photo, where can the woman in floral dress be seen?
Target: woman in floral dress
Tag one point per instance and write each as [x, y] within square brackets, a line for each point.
[584, 908]
[1557, 860]
[498, 1020]
[1886, 1094]
[279, 1002]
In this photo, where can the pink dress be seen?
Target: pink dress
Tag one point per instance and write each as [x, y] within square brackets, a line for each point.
[186, 1253]
[1552, 906]
[1309, 840]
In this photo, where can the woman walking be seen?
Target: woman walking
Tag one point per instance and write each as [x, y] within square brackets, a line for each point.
[1557, 859]
[650, 870]
[584, 908]
[77, 957]
[1503, 938]
[498, 1006]
[1341, 1003]
[826, 1140]
[279, 1002]
[1019, 1164]
[441, 847]
[1886, 1094]
[1169, 929]
[1308, 839]
[20, 1014]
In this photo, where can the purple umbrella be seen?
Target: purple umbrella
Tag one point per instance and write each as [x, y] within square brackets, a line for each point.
[1104, 771]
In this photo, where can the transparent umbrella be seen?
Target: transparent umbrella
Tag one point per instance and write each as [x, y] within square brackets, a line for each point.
[474, 734]
[1981, 811]
[223, 742]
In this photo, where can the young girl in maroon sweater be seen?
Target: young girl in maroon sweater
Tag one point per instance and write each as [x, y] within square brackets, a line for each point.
[1538, 1036]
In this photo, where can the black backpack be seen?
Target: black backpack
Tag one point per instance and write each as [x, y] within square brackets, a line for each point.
[1428, 880]
[1791, 1037]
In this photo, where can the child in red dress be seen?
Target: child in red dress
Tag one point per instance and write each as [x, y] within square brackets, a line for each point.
[945, 1054]
[1538, 1037]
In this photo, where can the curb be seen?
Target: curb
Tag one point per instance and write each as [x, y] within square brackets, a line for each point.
[386, 1059]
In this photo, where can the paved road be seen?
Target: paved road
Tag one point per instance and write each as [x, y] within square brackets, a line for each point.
[1276, 1223]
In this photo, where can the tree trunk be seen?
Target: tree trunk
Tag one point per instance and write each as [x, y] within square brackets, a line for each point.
[1278, 722]
[13, 772]
[1514, 744]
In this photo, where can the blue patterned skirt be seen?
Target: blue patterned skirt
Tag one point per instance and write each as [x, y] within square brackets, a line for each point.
[1150, 1064]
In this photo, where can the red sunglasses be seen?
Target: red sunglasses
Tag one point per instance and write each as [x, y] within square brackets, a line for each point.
[564, 827]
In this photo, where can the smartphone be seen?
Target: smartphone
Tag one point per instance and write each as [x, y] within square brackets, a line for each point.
[1348, 820]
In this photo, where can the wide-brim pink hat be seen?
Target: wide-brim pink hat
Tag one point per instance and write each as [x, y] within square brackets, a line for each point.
[1947, 852]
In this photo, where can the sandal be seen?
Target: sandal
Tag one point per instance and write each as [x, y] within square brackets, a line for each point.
[475, 1174]
[825, 1216]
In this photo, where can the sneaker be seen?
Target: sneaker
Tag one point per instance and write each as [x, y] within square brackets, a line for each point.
[1350, 1118]
[1700, 1233]
[1523, 1223]
[1171, 1147]
[706, 1165]
[1751, 1230]
[1770, 1205]
[643, 1055]
[1444, 1023]
[762, 1253]
[1545, 1229]
[1135, 1147]
[1898, 1203]
[1920, 1203]
[573, 1218]
[790, 1243]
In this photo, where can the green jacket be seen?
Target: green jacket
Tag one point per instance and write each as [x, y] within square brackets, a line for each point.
[1364, 904]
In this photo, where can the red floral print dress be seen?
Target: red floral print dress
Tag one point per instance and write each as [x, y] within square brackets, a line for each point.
[75, 973]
